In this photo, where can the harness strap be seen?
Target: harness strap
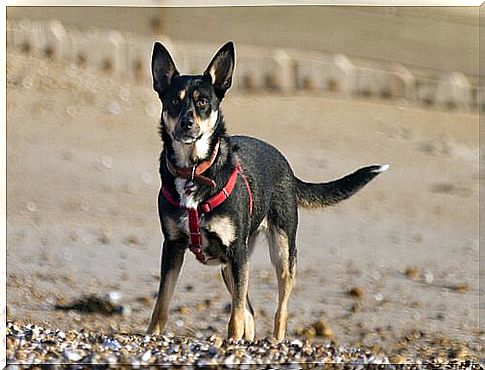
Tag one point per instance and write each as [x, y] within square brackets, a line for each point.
[248, 189]
[195, 238]
[221, 196]
[195, 245]
[168, 196]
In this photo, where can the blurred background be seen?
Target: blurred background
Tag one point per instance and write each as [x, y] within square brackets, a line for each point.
[334, 88]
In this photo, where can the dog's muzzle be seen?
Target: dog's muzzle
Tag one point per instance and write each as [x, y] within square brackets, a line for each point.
[187, 132]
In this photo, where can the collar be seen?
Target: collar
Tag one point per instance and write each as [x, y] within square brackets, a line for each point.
[195, 172]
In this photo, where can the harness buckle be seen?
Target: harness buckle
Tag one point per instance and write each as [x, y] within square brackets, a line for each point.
[205, 208]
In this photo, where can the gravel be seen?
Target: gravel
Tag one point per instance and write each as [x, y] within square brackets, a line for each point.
[33, 344]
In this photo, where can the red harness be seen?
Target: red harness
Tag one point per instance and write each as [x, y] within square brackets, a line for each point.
[195, 245]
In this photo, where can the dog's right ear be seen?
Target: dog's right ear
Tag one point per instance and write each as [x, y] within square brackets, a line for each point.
[163, 69]
[221, 68]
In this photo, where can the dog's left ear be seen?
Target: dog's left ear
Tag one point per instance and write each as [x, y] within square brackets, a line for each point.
[163, 69]
[221, 68]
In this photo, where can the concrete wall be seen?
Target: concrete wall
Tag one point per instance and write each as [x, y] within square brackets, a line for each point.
[441, 38]
[259, 69]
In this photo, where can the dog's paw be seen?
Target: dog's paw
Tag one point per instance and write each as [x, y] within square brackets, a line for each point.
[153, 331]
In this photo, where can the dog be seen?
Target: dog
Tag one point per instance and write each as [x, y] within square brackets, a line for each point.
[219, 191]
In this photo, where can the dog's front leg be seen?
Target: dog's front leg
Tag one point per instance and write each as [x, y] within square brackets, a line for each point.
[172, 261]
[240, 278]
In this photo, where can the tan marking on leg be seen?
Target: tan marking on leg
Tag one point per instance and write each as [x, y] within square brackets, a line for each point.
[235, 328]
[166, 288]
[223, 227]
[248, 325]
[160, 312]
[279, 253]
[247, 319]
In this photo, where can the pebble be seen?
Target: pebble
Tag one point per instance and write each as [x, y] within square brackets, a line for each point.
[460, 287]
[229, 361]
[357, 292]
[72, 355]
[323, 329]
[50, 346]
[146, 356]
[113, 107]
[309, 332]
[428, 277]
[396, 359]
[412, 272]
[61, 334]
[31, 206]
[112, 344]
[107, 161]
[183, 310]
[71, 111]
[124, 94]
[114, 296]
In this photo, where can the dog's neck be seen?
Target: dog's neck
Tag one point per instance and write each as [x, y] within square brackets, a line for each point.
[188, 155]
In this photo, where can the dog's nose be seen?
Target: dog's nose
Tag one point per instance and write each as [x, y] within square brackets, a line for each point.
[187, 123]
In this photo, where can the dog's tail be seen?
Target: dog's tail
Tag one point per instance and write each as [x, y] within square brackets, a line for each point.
[311, 195]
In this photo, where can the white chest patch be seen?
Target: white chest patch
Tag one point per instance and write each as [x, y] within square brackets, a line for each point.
[185, 200]
[223, 227]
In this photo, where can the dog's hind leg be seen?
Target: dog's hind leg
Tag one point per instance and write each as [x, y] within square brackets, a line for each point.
[248, 311]
[283, 257]
[172, 261]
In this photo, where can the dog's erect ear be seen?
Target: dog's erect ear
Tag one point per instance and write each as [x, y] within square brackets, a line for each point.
[220, 69]
[163, 68]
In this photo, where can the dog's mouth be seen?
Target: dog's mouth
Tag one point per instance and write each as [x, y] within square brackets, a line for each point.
[188, 139]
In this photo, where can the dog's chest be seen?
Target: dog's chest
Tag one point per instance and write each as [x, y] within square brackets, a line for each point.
[217, 234]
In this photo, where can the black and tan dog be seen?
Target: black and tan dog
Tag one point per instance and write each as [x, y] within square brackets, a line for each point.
[219, 191]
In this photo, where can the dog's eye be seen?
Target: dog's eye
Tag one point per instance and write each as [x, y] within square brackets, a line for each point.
[202, 102]
[175, 101]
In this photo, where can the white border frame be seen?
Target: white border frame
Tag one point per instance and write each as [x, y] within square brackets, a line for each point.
[140, 3]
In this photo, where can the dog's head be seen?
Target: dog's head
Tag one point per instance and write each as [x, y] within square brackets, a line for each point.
[191, 102]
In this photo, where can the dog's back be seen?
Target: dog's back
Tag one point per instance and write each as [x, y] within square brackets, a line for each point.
[272, 175]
